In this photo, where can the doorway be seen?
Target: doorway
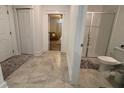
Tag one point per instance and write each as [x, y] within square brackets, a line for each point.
[55, 31]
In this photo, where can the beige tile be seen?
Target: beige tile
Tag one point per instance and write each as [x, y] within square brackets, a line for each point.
[48, 70]
[90, 78]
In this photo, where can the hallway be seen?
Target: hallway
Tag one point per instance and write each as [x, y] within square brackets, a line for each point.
[48, 70]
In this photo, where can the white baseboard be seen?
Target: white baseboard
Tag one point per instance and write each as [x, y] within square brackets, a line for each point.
[4, 85]
[38, 53]
[69, 67]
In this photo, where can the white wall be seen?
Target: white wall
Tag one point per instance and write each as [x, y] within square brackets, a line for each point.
[37, 31]
[75, 38]
[117, 36]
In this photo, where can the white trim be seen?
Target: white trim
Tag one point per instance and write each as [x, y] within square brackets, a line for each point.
[63, 42]
[4, 85]
[69, 67]
[17, 31]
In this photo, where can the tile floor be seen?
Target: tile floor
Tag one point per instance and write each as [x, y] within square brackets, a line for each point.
[50, 70]
[90, 78]
[90, 70]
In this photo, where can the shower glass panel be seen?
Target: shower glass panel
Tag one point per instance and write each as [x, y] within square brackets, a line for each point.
[88, 23]
[106, 24]
[97, 35]
[93, 34]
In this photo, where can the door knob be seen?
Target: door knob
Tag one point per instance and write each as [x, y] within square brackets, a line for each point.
[82, 45]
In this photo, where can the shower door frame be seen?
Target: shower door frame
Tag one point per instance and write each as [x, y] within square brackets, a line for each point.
[90, 28]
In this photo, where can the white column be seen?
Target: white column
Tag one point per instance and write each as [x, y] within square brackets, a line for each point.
[37, 31]
[76, 34]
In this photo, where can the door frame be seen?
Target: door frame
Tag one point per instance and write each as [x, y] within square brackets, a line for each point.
[46, 30]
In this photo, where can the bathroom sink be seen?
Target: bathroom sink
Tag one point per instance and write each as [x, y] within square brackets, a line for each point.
[108, 60]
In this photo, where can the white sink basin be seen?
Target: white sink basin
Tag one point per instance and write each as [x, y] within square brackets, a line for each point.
[108, 60]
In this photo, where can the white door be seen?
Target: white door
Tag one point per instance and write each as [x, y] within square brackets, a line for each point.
[25, 29]
[5, 37]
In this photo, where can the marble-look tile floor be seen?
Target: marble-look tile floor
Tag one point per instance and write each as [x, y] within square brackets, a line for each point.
[90, 78]
[48, 70]
[51, 71]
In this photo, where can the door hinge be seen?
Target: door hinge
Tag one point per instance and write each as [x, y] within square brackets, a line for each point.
[7, 12]
[13, 51]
